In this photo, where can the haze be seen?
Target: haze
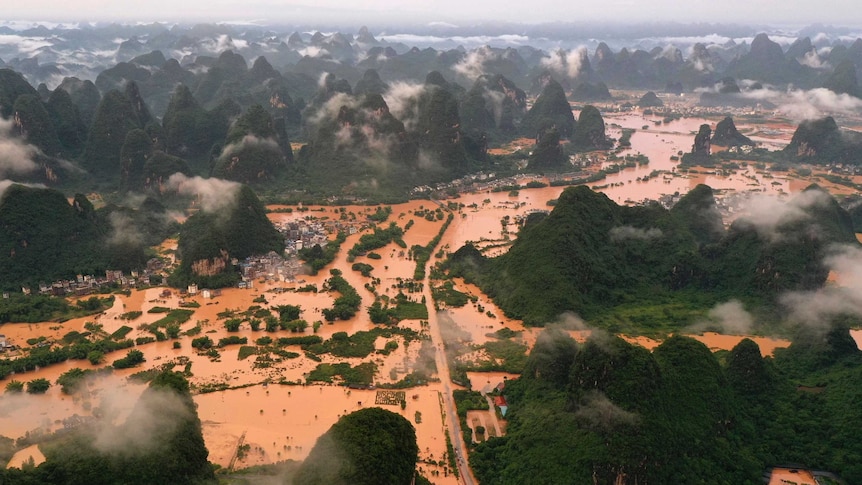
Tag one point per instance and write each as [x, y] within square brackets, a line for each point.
[378, 12]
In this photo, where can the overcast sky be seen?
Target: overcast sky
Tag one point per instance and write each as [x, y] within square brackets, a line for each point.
[460, 12]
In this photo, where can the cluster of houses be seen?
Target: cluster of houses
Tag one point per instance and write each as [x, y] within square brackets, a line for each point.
[459, 185]
[305, 234]
[84, 285]
[271, 267]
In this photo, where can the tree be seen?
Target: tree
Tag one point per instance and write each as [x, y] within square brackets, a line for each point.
[132, 358]
[71, 380]
[38, 386]
[14, 386]
[232, 324]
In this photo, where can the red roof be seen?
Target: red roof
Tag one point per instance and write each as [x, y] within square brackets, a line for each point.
[500, 401]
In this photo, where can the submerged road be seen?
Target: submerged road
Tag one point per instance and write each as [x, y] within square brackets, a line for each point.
[453, 424]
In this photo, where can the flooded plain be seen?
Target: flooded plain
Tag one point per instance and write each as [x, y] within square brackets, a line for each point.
[282, 421]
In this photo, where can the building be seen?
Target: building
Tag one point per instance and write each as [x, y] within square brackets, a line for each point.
[193, 289]
[501, 403]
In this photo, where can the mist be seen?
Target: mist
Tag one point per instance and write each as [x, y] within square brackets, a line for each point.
[622, 233]
[801, 105]
[402, 99]
[566, 64]
[599, 412]
[124, 232]
[249, 141]
[155, 416]
[766, 213]
[214, 195]
[728, 318]
[817, 308]
[16, 156]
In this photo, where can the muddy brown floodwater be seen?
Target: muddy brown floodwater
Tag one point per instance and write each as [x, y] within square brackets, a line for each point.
[281, 422]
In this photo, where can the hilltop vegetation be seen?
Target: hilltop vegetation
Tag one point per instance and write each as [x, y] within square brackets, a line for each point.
[613, 412]
[367, 447]
[593, 257]
[45, 238]
[209, 240]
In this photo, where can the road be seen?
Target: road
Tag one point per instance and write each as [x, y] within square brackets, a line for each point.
[453, 425]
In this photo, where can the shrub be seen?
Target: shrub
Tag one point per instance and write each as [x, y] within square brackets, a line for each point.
[38, 386]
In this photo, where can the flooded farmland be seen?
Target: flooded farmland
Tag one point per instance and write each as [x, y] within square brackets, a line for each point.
[271, 408]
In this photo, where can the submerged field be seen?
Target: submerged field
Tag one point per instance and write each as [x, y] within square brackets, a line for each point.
[265, 395]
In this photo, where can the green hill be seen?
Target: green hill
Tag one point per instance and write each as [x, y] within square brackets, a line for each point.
[45, 238]
[209, 240]
[726, 134]
[159, 442]
[550, 108]
[253, 152]
[595, 258]
[607, 411]
[368, 447]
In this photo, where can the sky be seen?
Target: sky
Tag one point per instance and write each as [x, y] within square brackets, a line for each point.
[458, 12]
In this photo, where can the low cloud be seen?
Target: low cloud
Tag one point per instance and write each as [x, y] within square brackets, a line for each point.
[332, 107]
[16, 156]
[813, 60]
[729, 318]
[402, 99]
[799, 104]
[5, 184]
[817, 308]
[566, 63]
[155, 416]
[599, 412]
[213, 194]
[623, 233]
[124, 232]
[249, 141]
[766, 213]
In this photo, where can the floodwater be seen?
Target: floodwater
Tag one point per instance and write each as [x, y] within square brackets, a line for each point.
[30, 454]
[282, 422]
[786, 476]
[857, 336]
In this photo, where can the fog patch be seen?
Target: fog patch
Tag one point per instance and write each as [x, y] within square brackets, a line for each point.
[332, 107]
[728, 318]
[800, 105]
[403, 101]
[312, 51]
[766, 213]
[155, 416]
[427, 161]
[249, 141]
[813, 60]
[5, 184]
[816, 308]
[623, 233]
[601, 413]
[16, 156]
[472, 66]
[566, 63]
[213, 194]
[124, 232]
